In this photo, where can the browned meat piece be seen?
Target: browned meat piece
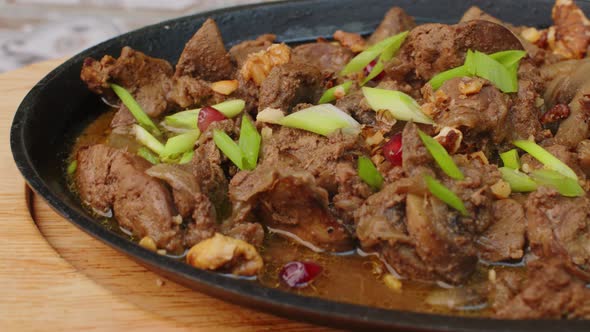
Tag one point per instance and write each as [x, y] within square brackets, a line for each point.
[353, 105]
[252, 233]
[570, 34]
[352, 192]
[317, 154]
[552, 289]
[239, 53]
[325, 56]
[583, 151]
[187, 91]
[107, 178]
[189, 200]
[146, 78]
[473, 106]
[396, 20]
[290, 200]
[415, 157]
[290, 84]
[524, 116]
[207, 168]
[433, 48]
[204, 56]
[558, 225]
[504, 239]
[381, 227]
[123, 118]
[353, 41]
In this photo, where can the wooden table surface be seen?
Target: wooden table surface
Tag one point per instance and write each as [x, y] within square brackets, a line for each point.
[54, 277]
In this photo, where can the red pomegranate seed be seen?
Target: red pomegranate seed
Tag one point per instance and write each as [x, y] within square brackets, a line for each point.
[299, 274]
[392, 150]
[367, 70]
[208, 115]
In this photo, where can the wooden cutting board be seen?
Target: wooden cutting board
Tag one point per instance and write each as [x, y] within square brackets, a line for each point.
[54, 277]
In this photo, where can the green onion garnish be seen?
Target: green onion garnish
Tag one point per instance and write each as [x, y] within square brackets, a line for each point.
[72, 167]
[445, 194]
[229, 148]
[441, 156]
[178, 145]
[249, 143]
[188, 119]
[518, 181]
[387, 54]
[480, 64]
[564, 185]
[322, 119]
[187, 157]
[144, 137]
[148, 155]
[131, 104]
[359, 62]
[399, 104]
[546, 158]
[369, 173]
[510, 159]
[329, 95]
[504, 79]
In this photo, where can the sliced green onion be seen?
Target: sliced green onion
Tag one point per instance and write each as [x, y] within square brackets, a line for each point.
[445, 194]
[249, 143]
[518, 181]
[441, 156]
[229, 148]
[546, 158]
[187, 157]
[148, 155]
[72, 167]
[138, 113]
[359, 62]
[329, 95]
[387, 54]
[437, 81]
[493, 71]
[178, 145]
[399, 104]
[322, 119]
[369, 173]
[144, 137]
[510, 159]
[188, 119]
[564, 185]
[509, 58]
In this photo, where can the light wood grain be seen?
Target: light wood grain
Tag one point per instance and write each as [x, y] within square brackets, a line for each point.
[54, 277]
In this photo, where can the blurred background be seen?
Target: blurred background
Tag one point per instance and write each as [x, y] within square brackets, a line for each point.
[35, 30]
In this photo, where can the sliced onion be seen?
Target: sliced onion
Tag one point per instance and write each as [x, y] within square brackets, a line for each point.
[546, 158]
[399, 104]
[270, 115]
[323, 120]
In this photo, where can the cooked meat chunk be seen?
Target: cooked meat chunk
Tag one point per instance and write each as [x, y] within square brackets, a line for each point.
[187, 91]
[415, 157]
[290, 200]
[583, 151]
[226, 254]
[352, 104]
[325, 56]
[558, 225]
[524, 115]
[107, 178]
[239, 53]
[146, 78]
[481, 112]
[204, 56]
[353, 41]
[432, 48]
[396, 20]
[290, 84]
[504, 239]
[553, 289]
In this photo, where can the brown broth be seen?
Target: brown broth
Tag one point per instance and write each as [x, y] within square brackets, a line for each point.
[348, 278]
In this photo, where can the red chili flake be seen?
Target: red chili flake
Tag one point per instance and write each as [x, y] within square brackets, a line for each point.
[556, 113]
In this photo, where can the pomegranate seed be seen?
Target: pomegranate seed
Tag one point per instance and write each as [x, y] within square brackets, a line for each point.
[208, 115]
[392, 150]
[299, 274]
[367, 70]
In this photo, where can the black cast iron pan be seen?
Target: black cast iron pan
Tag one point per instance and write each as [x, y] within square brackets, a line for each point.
[59, 106]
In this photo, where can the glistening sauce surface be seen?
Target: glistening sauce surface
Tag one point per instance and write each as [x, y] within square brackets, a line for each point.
[350, 278]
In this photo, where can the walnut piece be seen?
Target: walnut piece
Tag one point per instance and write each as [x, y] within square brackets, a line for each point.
[450, 139]
[570, 34]
[258, 65]
[225, 253]
[353, 41]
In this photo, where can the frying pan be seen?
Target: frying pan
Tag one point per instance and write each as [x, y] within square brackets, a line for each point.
[59, 106]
